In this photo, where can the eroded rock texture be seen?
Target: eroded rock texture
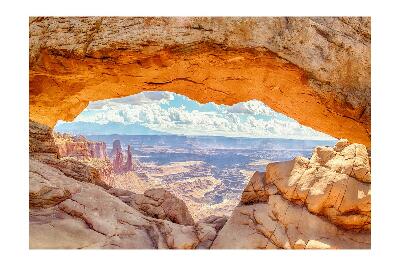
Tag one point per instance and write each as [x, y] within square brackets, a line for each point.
[321, 202]
[207, 230]
[43, 147]
[81, 159]
[324, 202]
[315, 70]
[67, 209]
[121, 164]
[129, 163]
[70, 214]
[79, 147]
[157, 203]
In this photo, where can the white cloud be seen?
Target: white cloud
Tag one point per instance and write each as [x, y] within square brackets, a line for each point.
[159, 97]
[251, 107]
[242, 119]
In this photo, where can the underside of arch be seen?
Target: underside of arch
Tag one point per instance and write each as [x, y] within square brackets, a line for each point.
[316, 71]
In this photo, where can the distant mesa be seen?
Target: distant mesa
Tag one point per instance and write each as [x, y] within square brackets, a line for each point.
[79, 147]
[95, 152]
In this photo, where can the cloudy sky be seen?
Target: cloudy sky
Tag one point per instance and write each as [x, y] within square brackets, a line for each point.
[175, 114]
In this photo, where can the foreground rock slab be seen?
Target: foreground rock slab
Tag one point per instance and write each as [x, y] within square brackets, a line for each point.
[324, 202]
[66, 213]
[157, 203]
[67, 209]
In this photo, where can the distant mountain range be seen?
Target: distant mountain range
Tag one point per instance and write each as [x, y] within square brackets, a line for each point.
[211, 142]
[137, 134]
[91, 128]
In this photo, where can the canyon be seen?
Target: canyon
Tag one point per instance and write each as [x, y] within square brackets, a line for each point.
[315, 70]
[71, 211]
[321, 202]
[188, 180]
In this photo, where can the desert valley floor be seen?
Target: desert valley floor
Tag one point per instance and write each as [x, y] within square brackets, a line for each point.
[208, 173]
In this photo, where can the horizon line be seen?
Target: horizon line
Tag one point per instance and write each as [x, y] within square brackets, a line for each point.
[183, 135]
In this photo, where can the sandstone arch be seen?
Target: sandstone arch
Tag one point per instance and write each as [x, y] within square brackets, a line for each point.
[315, 70]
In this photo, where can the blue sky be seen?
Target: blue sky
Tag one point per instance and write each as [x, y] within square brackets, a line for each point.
[170, 113]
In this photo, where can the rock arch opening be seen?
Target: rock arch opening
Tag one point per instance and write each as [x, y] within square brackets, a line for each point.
[315, 70]
[204, 154]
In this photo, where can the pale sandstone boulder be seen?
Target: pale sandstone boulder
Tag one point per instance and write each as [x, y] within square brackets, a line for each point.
[282, 224]
[350, 159]
[165, 205]
[207, 230]
[66, 213]
[302, 203]
[78, 170]
[52, 228]
[125, 196]
[44, 192]
[314, 244]
[217, 222]
[206, 234]
[157, 203]
[258, 190]
[326, 184]
[69, 207]
[172, 209]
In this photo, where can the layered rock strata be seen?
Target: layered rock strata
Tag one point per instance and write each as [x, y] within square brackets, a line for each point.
[42, 147]
[317, 203]
[118, 162]
[65, 213]
[120, 165]
[79, 147]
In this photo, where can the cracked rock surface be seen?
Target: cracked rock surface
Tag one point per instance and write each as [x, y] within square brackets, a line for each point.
[313, 69]
[66, 213]
[157, 203]
[324, 202]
